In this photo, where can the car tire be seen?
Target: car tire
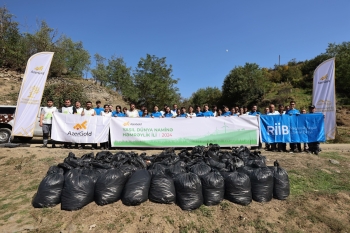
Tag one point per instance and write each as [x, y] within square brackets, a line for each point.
[5, 135]
[24, 139]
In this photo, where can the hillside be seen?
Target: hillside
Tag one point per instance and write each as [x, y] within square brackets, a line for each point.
[10, 84]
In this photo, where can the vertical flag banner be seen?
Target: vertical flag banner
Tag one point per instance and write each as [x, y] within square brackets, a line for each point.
[323, 95]
[29, 98]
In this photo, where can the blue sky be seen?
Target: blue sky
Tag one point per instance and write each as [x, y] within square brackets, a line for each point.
[194, 35]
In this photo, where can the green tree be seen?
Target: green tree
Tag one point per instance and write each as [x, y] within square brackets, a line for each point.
[308, 67]
[154, 82]
[244, 85]
[341, 52]
[100, 73]
[120, 78]
[208, 95]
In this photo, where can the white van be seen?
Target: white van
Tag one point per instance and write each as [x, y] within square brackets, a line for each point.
[7, 113]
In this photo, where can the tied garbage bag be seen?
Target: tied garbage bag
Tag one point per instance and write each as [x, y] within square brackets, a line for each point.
[238, 188]
[78, 190]
[176, 169]
[213, 186]
[188, 188]
[136, 188]
[281, 188]
[162, 189]
[262, 184]
[109, 186]
[200, 169]
[50, 189]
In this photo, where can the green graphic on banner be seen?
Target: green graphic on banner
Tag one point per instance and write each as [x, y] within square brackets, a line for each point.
[233, 138]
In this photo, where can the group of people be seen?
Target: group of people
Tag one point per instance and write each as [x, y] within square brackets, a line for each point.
[166, 112]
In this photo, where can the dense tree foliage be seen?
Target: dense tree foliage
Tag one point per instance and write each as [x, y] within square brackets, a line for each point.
[154, 82]
[208, 95]
[244, 85]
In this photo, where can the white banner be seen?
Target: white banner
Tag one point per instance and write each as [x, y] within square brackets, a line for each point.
[184, 132]
[79, 129]
[323, 95]
[29, 98]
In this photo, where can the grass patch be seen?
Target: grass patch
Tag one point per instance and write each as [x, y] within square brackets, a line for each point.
[33, 186]
[169, 220]
[224, 205]
[309, 180]
[17, 161]
[204, 211]
[49, 160]
[332, 155]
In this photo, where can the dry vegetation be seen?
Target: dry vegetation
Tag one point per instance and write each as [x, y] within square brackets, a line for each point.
[319, 201]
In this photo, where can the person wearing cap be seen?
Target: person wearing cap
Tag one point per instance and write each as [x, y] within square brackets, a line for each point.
[314, 147]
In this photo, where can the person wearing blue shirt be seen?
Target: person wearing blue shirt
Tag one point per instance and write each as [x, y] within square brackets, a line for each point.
[294, 147]
[168, 113]
[118, 112]
[254, 111]
[198, 111]
[141, 110]
[145, 113]
[233, 112]
[156, 112]
[182, 112]
[226, 112]
[206, 112]
[292, 110]
[98, 108]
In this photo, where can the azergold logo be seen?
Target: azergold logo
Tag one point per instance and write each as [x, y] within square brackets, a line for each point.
[80, 126]
[325, 77]
[39, 68]
[33, 91]
[126, 123]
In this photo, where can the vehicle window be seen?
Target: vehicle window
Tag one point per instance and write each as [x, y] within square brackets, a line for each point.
[7, 110]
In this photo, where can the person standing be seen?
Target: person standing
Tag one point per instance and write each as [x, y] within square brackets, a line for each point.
[98, 108]
[174, 110]
[191, 113]
[233, 112]
[314, 147]
[226, 111]
[271, 111]
[294, 147]
[132, 112]
[214, 110]
[46, 121]
[118, 112]
[78, 107]
[198, 111]
[156, 112]
[254, 111]
[182, 112]
[68, 109]
[88, 111]
[143, 107]
[206, 112]
[168, 113]
[105, 113]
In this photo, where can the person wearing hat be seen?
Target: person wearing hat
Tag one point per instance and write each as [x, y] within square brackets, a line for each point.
[313, 147]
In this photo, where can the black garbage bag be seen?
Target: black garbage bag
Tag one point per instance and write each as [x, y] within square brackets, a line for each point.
[157, 168]
[199, 169]
[256, 160]
[72, 161]
[93, 173]
[213, 186]
[88, 157]
[246, 170]
[188, 188]
[242, 152]
[136, 188]
[104, 156]
[175, 169]
[162, 189]
[262, 184]
[109, 186]
[78, 190]
[238, 188]
[197, 150]
[215, 164]
[281, 189]
[50, 189]
[127, 169]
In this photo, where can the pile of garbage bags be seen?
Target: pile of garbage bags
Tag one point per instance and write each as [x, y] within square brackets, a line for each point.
[204, 175]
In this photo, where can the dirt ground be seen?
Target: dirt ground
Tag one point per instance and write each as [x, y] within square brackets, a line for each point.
[306, 210]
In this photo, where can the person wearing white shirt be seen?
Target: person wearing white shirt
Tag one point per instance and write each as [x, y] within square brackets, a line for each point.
[191, 112]
[68, 109]
[78, 108]
[46, 121]
[271, 111]
[88, 111]
[106, 113]
[174, 110]
[132, 112]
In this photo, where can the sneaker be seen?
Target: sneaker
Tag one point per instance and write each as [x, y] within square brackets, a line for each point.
[44, 146]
